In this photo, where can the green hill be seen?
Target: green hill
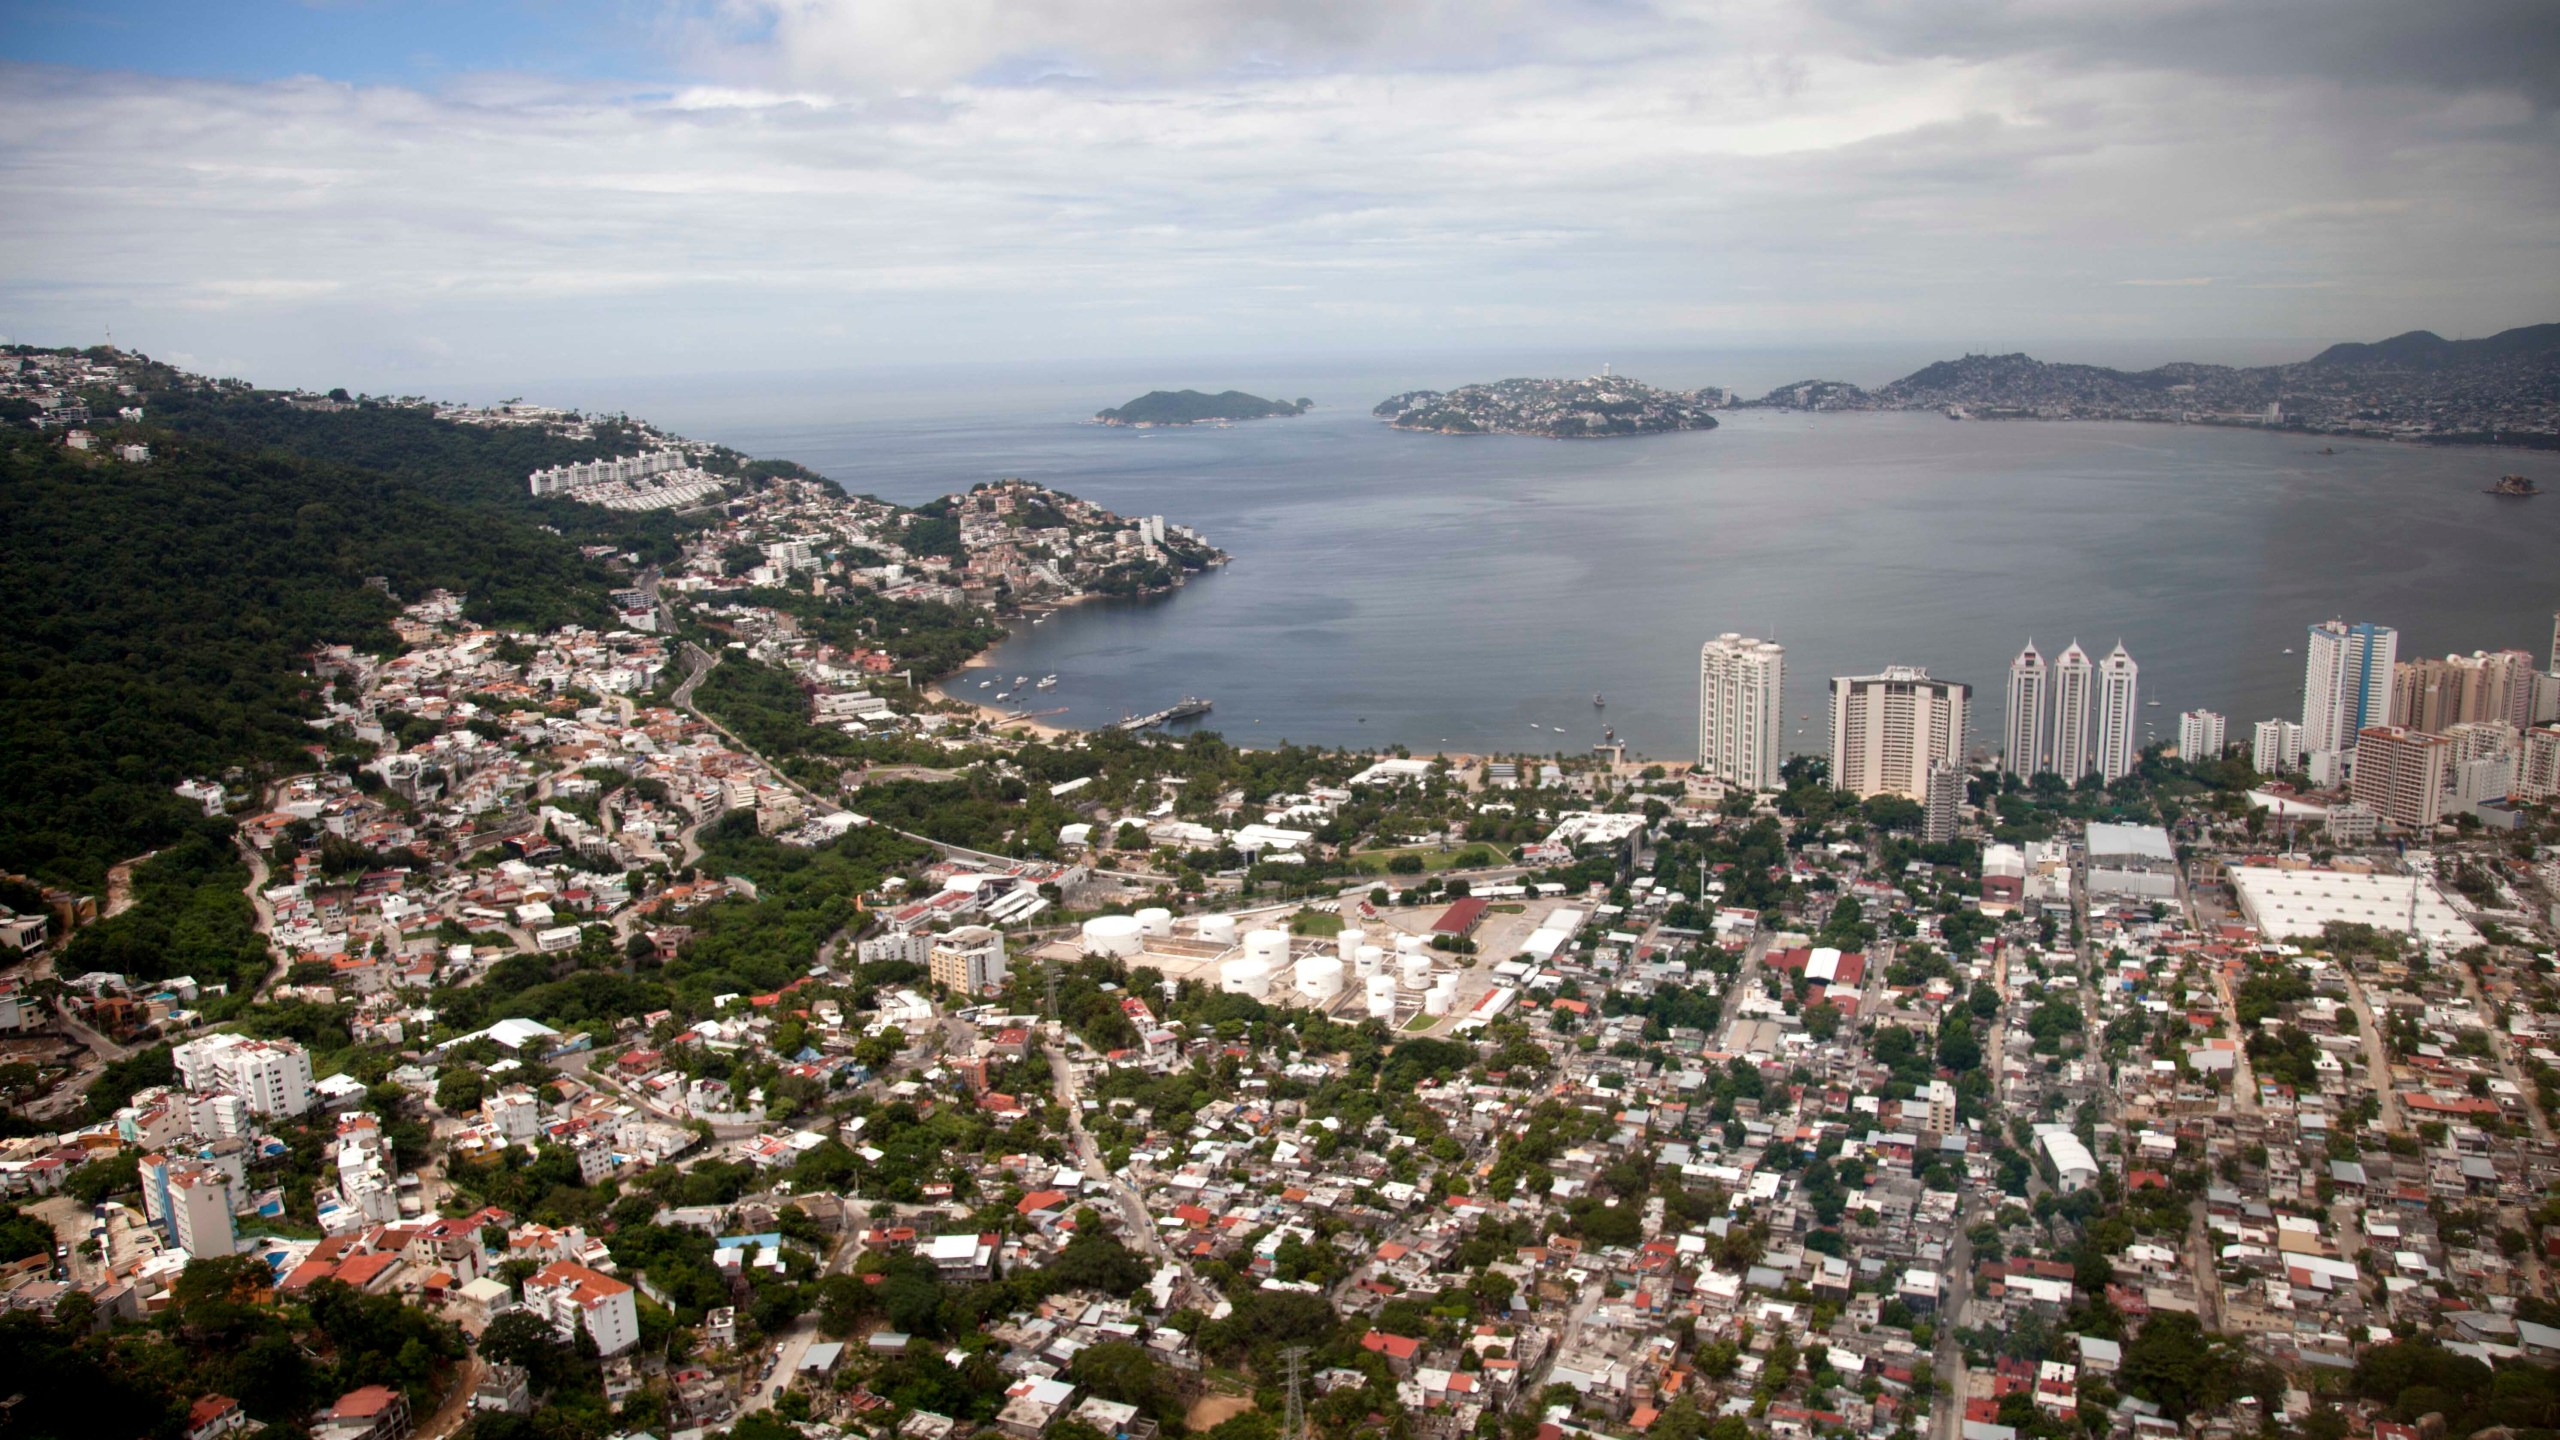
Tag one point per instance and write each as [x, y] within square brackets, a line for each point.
[158, 615]
[1192, 407]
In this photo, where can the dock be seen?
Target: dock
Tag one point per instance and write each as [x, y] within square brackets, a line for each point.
[1183, 709]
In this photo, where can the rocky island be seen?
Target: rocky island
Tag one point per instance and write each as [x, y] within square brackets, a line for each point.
[1597, 408]
[1193, 407]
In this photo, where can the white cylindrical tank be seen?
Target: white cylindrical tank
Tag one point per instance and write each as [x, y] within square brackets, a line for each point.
[1382, 996]
[1156, 922]
[1416, 970]
[1245, 976]
[1351, 942]
[1112, 935]
[1319, 978]
[1409, 944]
[1437, 1002]
[1447, 983]
[1218, 929]
[1271, 947]
[1370, 960]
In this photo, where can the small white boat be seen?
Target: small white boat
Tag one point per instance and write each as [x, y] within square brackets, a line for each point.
[1050, 682]
[1021, 680]
[983, 684]
[1004, 695]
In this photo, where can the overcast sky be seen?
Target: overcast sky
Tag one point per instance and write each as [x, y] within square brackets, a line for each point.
[403, 196]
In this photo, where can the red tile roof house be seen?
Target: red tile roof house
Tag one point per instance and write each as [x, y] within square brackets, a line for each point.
[1400, 1351]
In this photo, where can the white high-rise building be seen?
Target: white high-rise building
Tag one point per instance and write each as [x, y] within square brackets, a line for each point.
[2346, 682]
[272, 1076]
[2119, 715]
[2200, 735]
[2276, 748]
[1945, 805]
[2025, 750]
[1889, 730]
[2074, 697]
[1741, 710]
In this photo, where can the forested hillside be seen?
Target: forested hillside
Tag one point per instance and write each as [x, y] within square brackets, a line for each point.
[157, 616]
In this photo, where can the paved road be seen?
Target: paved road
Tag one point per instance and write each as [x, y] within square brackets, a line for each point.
[1133, 1211]
[2500, 1047]
[2377, 1063]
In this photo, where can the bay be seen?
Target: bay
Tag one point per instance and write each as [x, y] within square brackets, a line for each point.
[1472, 594]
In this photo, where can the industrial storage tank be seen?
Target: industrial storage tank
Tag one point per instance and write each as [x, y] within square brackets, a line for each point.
[1370, 961]
[1416, 970]
[1218, 929]
[1410, 944]
[1271, 947]
[1447, 983]
[1319, 978]
[1117, 935]
[1351, 942]
[1438, 1002]
[1156, 921]
[1382, 997]
[1245, 976]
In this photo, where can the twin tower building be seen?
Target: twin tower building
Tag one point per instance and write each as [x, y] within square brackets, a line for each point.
[1901, 732]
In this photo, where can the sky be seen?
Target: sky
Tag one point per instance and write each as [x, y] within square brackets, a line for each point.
[414, 197]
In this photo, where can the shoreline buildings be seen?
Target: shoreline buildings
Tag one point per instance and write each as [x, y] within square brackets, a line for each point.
[2119, 713]
[2346, 689]
[2024, 748]
[2074, 694]
[1889, 730]
[1741, 709]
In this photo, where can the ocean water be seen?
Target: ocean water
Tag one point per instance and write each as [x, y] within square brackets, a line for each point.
[1474, 593]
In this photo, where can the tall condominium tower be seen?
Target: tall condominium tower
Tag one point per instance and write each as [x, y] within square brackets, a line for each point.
[2200, 735]
[1888, 730]
[2119, 719]
[2025, 750]
[1741, 710]
[2435, 695]
[2074, 696]
[2346, 682]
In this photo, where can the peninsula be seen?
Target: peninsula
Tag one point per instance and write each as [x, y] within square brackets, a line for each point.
[1193, 407]
[1600, 407]
[2501, 389]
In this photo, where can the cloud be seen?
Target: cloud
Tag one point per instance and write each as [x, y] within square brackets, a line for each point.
[833, 185]
[2455, 46]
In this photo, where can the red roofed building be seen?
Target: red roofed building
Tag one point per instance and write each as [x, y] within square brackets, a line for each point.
[214, 1415]
[573, 1298]
[1400, 1351]
[374, 1412]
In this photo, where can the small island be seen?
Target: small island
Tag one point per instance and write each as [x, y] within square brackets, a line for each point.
[1602, 407]
[1194, 407]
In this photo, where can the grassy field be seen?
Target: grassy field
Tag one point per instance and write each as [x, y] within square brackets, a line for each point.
[1319, 923]
[1434, 859]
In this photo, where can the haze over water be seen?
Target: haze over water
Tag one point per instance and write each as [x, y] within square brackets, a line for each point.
[1473, 593]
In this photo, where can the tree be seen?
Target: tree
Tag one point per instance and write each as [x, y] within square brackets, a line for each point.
[2176, 1365]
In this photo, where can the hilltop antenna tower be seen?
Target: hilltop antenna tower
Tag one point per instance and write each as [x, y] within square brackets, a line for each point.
[1294, 1425]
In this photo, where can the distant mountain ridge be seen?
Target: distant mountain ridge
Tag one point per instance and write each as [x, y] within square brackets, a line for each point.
[2503, 388]
[1192, 407]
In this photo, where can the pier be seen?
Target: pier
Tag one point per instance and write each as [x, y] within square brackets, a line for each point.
[1183, 709]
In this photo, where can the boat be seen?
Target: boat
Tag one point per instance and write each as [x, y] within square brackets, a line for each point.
[1004, 695]
[983, 684]
[1021, 680]
[1597, 701]
[2155, 704]
[2518, 486]
[1048, 682]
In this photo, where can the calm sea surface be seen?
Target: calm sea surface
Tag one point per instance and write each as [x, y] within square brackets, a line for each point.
[1475, 593]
